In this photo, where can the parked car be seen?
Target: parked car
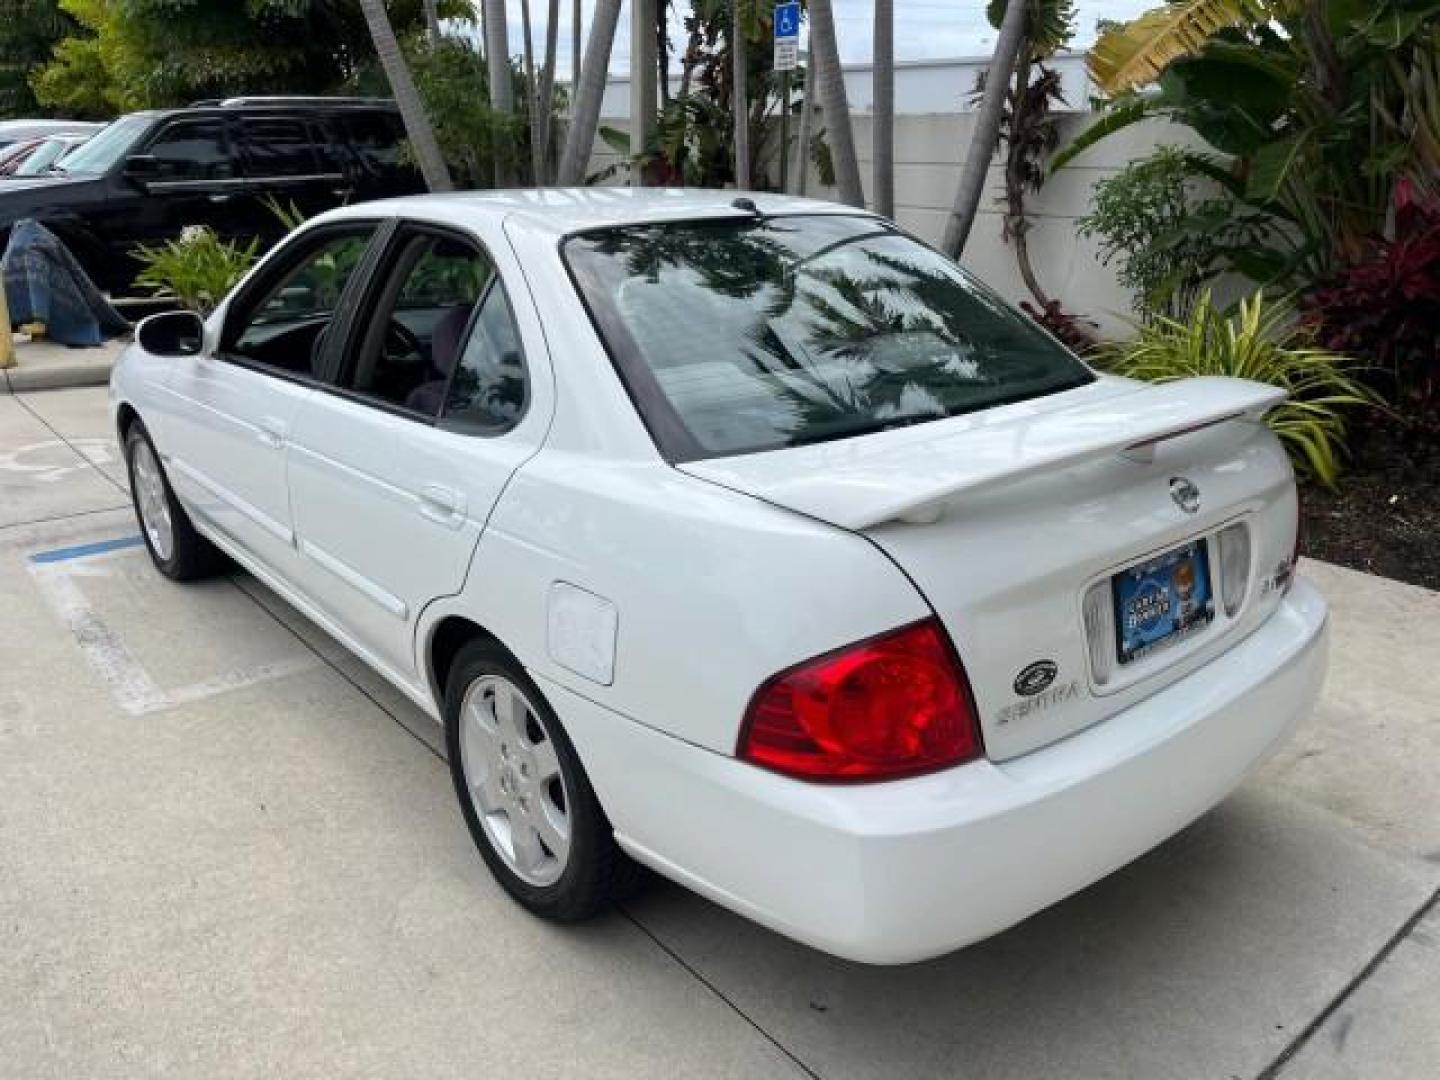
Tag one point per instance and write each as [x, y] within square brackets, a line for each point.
[747, 538]
[13, 131]
[43, 158]
[148, 175]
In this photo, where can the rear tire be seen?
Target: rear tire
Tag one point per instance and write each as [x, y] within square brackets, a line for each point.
[524, 794]
[176, 548]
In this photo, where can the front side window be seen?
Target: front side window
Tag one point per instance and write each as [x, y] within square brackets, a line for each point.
[737, 336]
[282, 325]
[191, 150]
[425, 308]
[110, 144]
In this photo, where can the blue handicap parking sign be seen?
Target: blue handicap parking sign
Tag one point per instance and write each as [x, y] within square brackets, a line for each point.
[787, 20]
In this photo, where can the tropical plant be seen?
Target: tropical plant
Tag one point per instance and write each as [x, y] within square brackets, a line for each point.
[478, 140]
[1258, 341]
[1171, 229]
[1079, 335]
[1386, 308]
[197, 270]
[1322, 107]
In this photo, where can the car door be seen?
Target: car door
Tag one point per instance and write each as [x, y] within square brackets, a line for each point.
[284, 164]
[226, 431]
[394, 472]
[183, 175]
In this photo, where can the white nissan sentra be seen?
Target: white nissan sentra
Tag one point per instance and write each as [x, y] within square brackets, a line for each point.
[744, 538]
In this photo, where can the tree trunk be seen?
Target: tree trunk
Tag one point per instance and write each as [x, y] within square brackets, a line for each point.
[407, 98]
[807, 114]
[502, 92]
[532, 102]
[739, 93]
[576, 41]
[580, 139]
[987, 129]
[883, 74]
[662, 51]
[432, 19]
[547, 87]
[830, 81]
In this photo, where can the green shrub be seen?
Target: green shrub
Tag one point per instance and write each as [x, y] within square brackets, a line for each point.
[1259, 343]
[197, 270]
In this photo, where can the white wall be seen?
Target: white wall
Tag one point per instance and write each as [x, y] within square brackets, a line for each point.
[928, 153]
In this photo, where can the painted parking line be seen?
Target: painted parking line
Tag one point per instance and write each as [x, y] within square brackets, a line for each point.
[58, 574]
[80, 551]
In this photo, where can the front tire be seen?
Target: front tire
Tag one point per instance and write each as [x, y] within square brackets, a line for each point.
[524, 794]
[176, 549]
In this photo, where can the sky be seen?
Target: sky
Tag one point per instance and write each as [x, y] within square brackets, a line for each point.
[924, 29]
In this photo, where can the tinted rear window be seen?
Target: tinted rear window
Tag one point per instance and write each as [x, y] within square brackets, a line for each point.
[739, 336]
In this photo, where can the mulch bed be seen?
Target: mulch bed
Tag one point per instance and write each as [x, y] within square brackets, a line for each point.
[1385, 516]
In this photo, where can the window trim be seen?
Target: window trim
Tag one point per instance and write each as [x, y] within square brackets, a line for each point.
[283, 264]
[227, 138]
[368, 301]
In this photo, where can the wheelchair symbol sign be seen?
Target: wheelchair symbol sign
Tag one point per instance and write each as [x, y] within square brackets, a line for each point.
[787, 21]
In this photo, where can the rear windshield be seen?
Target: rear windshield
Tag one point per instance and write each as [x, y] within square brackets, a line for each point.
[738, 336]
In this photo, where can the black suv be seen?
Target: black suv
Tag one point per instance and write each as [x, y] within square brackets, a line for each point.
[146, 176]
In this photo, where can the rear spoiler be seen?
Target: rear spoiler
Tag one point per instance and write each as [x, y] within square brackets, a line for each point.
[907, 475]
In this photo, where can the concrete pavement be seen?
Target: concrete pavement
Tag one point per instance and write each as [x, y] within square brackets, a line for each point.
[227, 849]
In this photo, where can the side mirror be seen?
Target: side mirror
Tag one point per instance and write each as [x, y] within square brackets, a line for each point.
[142, 168]
[172, 334]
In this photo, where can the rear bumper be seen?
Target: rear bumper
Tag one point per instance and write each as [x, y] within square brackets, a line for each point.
[897, 872]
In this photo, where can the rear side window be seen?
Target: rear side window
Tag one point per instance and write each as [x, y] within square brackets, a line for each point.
[191, 150]
[278, 147]
[737, 336]
[376, 138]
[489, 388]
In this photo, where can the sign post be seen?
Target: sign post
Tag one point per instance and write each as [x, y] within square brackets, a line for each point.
[787, 58]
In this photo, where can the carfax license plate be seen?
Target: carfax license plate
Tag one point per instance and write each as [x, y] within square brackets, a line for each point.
[1162, 601]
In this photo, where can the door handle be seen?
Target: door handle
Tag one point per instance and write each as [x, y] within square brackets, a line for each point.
[442, 505]
[271, 432]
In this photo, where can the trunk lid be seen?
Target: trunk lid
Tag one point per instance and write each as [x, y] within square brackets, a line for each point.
[1006, 520]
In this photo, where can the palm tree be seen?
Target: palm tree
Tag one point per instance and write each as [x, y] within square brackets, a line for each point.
[577, 17]
[547, 89]
[585, 116]
[807, 114]
[407, 97]
[739, 93]
[532, 96]
[987, 129]
[884, 93]
[497, 58]
[830, 81]
[432, 18]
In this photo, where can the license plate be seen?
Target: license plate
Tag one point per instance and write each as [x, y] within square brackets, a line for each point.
[1162, 601]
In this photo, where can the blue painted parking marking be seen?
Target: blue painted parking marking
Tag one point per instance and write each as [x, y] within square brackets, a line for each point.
[79, 551]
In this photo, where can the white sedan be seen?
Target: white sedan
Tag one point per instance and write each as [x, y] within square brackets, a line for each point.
[744, 538]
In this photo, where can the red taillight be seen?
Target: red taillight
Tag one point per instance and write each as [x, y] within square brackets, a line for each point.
[892, 706]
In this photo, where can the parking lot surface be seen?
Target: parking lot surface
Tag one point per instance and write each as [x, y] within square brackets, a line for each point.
[227, 849]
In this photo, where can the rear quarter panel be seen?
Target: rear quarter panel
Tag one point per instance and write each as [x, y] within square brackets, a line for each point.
[714, 591]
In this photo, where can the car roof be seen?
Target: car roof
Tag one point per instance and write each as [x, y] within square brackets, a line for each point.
[561, 211]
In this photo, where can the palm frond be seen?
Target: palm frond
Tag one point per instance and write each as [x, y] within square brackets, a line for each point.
[1136, 52]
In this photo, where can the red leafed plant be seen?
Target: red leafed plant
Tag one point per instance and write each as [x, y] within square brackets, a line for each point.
[1384, 311]
[1079, 334]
